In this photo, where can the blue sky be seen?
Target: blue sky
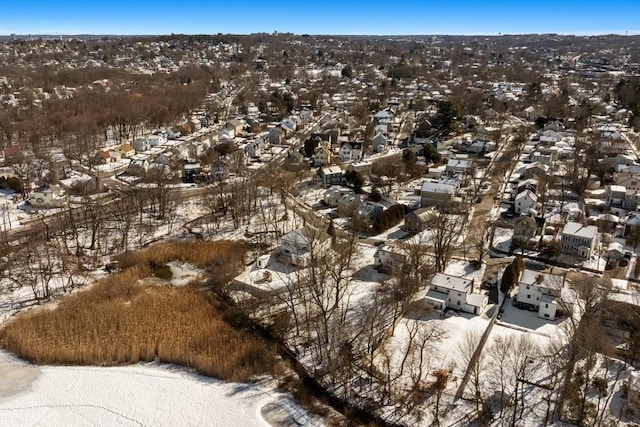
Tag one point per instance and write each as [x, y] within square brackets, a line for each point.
[319, 17]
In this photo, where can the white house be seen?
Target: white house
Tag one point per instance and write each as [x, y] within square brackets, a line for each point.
[389, 258]
[48, 197]
[332, 195]
[455, 292]
[300, 246]
[155, 140]
[350, 151]
[540, 291]
[458, 166]
[525, 202]
[579, 240]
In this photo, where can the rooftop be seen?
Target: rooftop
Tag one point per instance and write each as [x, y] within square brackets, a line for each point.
[451, 282]
[578, 230]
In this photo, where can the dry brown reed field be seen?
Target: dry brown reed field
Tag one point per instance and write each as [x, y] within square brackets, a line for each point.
[126, 319]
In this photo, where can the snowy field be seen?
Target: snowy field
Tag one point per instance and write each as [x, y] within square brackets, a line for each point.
[139, 395]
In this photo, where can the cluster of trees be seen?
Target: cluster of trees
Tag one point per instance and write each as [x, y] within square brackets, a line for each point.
[627, 92]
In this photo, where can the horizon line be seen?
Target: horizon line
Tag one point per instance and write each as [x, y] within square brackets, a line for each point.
[499, 34]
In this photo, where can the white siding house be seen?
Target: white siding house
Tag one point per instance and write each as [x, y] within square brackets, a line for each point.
[455, 292]
[300, 246]
[579, 240]
[541, 292]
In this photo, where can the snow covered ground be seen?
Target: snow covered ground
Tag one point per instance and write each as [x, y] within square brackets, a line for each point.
[143, 394]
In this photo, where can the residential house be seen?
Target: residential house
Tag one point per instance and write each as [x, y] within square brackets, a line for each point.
[457, 293]
[126, 150]
[531, 113]
[607, 222]
[541, 292]
[628, 177]
[547, 157]
[107, 156]
[348, 203]
[235, 127]
[252, 124]
[330, 175]
[350, 151]
[155, 140]
[362, 167]
[614, 252]
[527, 184]
[190, 171]
[382, 116]
[219, 170]
[294, 157]
[527, 227]
[138, 167]
[616, 195]
[579, 240]
[102, 157]
[390, 258]
[300, 246]
[277, 136]
[226, 135]
[379, 143]
[140, 145]
[458, 167]
[366, 214]
[289, 125]
[254, 148]
[535, 170]
[165, 158]
[525, 202]
[435, 194]
[332, 195]
[194, 149]
[321, 156]
[631, 222]
[418, 220]
[48, 197]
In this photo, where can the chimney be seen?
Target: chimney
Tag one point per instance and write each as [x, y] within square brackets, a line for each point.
[473, 283]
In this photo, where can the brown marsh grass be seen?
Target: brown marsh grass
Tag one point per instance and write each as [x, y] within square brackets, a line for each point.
[123, 319]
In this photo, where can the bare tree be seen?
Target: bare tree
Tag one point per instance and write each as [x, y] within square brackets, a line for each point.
[445, 229]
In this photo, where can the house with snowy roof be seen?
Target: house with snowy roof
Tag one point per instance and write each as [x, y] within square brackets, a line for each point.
[458, 293]
[437, 194]
[525, 202]
[300, 246]
[541, 292]
[579, 240]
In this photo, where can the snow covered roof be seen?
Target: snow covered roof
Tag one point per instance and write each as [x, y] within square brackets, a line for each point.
[477, 300]
[579, 230]
[450, 282]
[434, 187]
[542, 280]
